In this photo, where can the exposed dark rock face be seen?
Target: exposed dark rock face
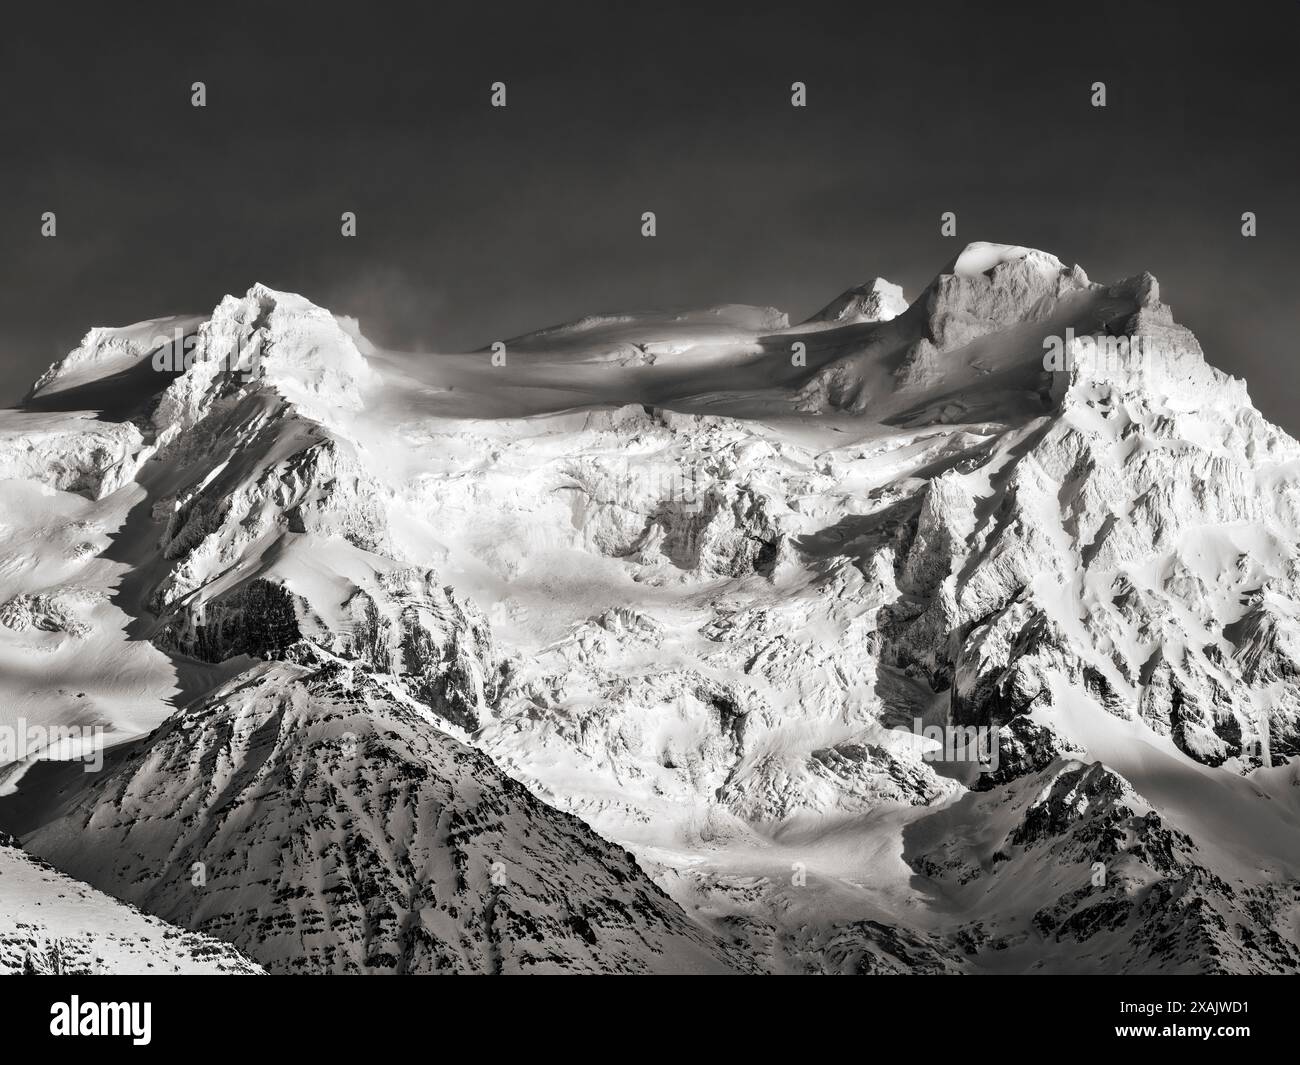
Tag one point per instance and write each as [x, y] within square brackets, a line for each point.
[257, 619]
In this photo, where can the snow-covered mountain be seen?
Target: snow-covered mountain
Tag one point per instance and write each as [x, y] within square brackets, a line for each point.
[409, 649]
[337, 830]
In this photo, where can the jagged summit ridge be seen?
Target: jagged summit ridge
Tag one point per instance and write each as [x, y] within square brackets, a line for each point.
[971, 346]
[265, 338]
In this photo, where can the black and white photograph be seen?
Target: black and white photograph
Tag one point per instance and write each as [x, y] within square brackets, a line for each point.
[650, 489]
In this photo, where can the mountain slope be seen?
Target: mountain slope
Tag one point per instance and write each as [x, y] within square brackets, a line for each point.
[333, 829]
[50, 924]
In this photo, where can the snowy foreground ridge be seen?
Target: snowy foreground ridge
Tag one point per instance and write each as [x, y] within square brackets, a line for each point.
[959, 635]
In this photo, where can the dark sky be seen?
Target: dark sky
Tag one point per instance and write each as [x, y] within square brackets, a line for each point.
[477, 224]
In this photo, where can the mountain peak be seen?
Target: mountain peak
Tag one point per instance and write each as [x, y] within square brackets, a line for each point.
[279, 339]
[979, 257]
[876, 301]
